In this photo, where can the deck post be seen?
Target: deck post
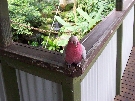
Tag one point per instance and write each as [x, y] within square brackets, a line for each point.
[5, 30]
[119, 59]
[71, 91]
[2, 93]
[10, 82]
[119, 5]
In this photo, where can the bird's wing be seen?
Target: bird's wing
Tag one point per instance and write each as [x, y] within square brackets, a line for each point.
[83, 52]
[64, 51]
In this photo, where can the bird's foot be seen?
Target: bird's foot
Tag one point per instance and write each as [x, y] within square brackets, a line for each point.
[85, 60]
[68, 65]
[79, 64]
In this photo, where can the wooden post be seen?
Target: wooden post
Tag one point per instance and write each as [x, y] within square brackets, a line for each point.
[5, 30]
[119, 5]
[119, 59]
[10, 82]
[72, 91]
[2, 94]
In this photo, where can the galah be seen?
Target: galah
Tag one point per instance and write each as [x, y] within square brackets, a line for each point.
[74, 52]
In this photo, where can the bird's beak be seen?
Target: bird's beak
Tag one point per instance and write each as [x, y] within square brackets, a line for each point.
[76, 43]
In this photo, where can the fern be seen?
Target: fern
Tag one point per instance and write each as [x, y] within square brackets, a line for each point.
[92, 21]
[61, 21]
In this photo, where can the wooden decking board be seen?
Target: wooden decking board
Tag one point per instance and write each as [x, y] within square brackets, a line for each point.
[128, 80]
[122, 98]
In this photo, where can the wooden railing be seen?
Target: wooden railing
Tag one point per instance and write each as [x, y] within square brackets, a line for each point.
[32, 74]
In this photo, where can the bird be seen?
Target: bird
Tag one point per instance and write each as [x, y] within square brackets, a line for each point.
[74, 52]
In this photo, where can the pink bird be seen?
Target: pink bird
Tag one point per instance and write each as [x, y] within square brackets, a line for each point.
[74, 51]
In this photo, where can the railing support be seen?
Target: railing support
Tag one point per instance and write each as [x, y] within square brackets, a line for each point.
[72, 91]
[10, 82]
[5, 30]
[119, 5]
[119, 59]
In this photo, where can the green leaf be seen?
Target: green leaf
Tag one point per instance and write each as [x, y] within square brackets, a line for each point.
[84, 14]
[63, 40]
[61, 21]
[97, 18]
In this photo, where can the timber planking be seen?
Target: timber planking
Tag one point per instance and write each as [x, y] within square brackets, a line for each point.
[127, 92]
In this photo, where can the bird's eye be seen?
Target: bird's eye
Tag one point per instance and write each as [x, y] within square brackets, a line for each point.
[72, 42]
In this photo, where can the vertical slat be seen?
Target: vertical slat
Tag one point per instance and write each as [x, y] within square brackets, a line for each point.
[10, 82]
[54, 90]
[101, 84]
[119, 5]
[119, 59]
[92, 88]
[24, 86]
[39, 89]
[19, 85]
[31, 87]
[57, 92]
[113, 64]
[48, 90]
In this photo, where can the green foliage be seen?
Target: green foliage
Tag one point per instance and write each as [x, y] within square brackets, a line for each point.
[62, 40]
[82, 26]
[19, 29]
[40, 14]
[61, 21]
[22, 8]
[89, 13]
[91, 6]
[50, 43]
[29, 13]
[55, 43]
[34, 43]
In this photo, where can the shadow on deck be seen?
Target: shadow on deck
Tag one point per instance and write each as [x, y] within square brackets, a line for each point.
[128, 80]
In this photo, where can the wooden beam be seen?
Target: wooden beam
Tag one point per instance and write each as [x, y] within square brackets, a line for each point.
[5, 30]
[71, 91]
[119, 59]
[2, 93]
[10, 82]
[119, 5]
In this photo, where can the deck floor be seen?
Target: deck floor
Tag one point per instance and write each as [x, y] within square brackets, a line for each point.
[128, 80]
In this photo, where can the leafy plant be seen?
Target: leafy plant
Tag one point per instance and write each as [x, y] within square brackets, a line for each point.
[83, 26]
[40, 14]
[34, 43]
[62, 40]
[50, 43]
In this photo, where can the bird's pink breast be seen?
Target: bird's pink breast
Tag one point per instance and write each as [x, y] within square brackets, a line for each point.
[73, 53]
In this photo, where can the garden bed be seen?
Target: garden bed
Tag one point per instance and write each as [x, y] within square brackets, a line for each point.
[49, 24]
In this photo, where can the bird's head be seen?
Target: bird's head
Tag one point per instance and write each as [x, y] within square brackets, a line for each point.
[74, 40]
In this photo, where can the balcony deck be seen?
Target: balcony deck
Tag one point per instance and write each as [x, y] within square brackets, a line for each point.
[128, 80]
